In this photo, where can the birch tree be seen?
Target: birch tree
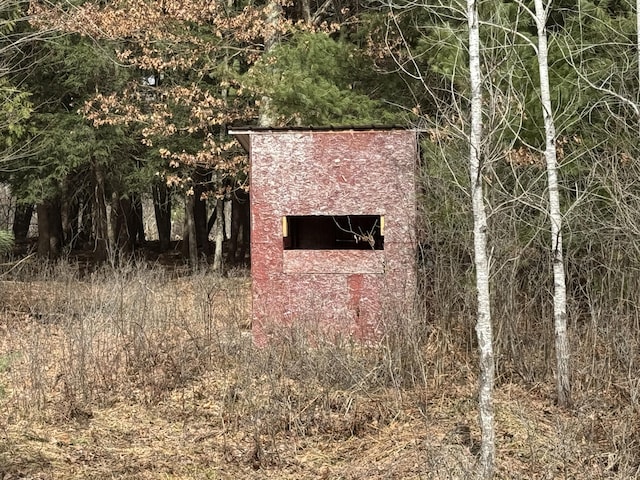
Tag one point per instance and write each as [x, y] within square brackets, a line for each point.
[555, 215]
[483, 324]
[450, 108]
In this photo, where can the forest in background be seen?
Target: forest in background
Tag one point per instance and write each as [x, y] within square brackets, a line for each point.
[107, 102]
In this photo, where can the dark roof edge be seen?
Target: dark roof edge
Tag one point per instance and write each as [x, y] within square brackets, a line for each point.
[323, 128]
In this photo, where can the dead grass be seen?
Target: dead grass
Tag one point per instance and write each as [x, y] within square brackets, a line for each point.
[143, 375]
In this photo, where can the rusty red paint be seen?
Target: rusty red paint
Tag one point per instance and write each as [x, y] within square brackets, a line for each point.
[344, 172]
[355, 284]
[333, 261]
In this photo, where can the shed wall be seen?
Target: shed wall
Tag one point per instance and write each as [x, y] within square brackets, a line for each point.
[331, 173]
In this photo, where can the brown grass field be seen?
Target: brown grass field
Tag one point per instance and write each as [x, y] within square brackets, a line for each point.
[138, 373]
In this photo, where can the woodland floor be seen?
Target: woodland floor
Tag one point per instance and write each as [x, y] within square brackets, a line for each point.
[214, 423]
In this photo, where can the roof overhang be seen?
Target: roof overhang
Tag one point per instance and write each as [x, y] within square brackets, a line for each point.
[243, 138]
[243, 134]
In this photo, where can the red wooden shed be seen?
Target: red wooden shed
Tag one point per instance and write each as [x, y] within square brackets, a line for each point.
[333, 211]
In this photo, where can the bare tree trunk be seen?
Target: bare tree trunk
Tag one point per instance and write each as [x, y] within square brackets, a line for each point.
[304, 7]
[563, 386]
[217, 257]
[191, 231]
[240, 218]
[136, 221]
[162, 209]
[68, 210]
[100, 223]
[115, 222]
[200, 219]
[483, 324]
[49, 229]
[44, 248]
[228, 218]
[123, 221]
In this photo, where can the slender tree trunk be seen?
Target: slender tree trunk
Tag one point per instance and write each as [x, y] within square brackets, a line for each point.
[123, 226]
[136, 221]
[563, 386]
[192, 243]
[114, 212]
[239, 225]
[212, 220]
[304, 7]
[100, 221]
[49, 229]
[228, 218]
[162, 209]
[483, 324]
[217, 257]
[200, 218]
[67, 210]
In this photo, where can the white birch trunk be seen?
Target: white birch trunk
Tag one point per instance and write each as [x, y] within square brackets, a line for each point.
[483, 323]
[219, 229]
[555, 217]
[228, 215]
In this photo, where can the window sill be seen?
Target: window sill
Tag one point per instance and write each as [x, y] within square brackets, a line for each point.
[333, 261]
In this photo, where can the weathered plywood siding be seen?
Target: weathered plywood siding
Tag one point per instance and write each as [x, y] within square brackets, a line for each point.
[346, 172]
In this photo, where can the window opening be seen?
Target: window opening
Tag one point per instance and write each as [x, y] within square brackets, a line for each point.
[333, 232]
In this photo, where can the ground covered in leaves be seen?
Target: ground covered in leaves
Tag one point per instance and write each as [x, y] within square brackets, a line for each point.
[147, 376]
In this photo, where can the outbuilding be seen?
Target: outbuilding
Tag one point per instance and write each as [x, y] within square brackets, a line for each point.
[333, 212]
